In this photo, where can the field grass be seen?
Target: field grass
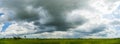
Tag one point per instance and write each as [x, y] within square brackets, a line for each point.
[60, 41]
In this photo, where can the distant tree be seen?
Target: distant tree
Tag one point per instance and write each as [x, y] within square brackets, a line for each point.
[24, 36]
[17, 37]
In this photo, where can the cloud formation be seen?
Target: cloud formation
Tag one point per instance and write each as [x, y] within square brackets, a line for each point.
[78, 18]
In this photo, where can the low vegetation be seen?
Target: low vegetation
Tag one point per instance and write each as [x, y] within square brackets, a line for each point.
[58, 41]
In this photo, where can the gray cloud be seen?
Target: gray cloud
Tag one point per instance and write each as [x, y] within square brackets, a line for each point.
[55, 8]
[82, 33]
[115, 22]
[51, 16]
[59, 18]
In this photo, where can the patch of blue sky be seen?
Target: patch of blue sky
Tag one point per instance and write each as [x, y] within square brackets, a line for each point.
[7, 23]
[1, 14]
[5, 26]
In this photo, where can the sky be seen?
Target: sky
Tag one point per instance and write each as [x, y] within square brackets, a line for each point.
[60, 18]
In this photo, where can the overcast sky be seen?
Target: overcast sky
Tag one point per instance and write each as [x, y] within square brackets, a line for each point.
[60, 18]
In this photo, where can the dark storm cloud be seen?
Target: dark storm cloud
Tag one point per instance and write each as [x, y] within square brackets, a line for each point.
[55, 8]
[18, 7]
[23, 15]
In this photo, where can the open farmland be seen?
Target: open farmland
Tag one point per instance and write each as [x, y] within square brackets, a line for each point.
[59, 41]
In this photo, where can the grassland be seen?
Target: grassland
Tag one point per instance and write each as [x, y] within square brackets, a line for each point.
[59, 41]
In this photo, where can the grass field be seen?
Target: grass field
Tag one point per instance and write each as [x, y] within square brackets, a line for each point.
[60, 41]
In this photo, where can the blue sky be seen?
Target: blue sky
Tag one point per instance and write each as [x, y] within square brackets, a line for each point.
[5, 26]
[1, 14]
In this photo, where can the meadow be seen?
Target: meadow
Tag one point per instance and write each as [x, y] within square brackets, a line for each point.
[59, 41]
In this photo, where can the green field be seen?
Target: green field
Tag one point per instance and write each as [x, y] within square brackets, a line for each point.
[60, 41]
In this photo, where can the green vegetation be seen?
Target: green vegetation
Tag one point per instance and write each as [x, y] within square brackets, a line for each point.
[59, 41]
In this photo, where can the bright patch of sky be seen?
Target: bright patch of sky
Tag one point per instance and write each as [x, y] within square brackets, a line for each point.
[5, 26]
[3, 17]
